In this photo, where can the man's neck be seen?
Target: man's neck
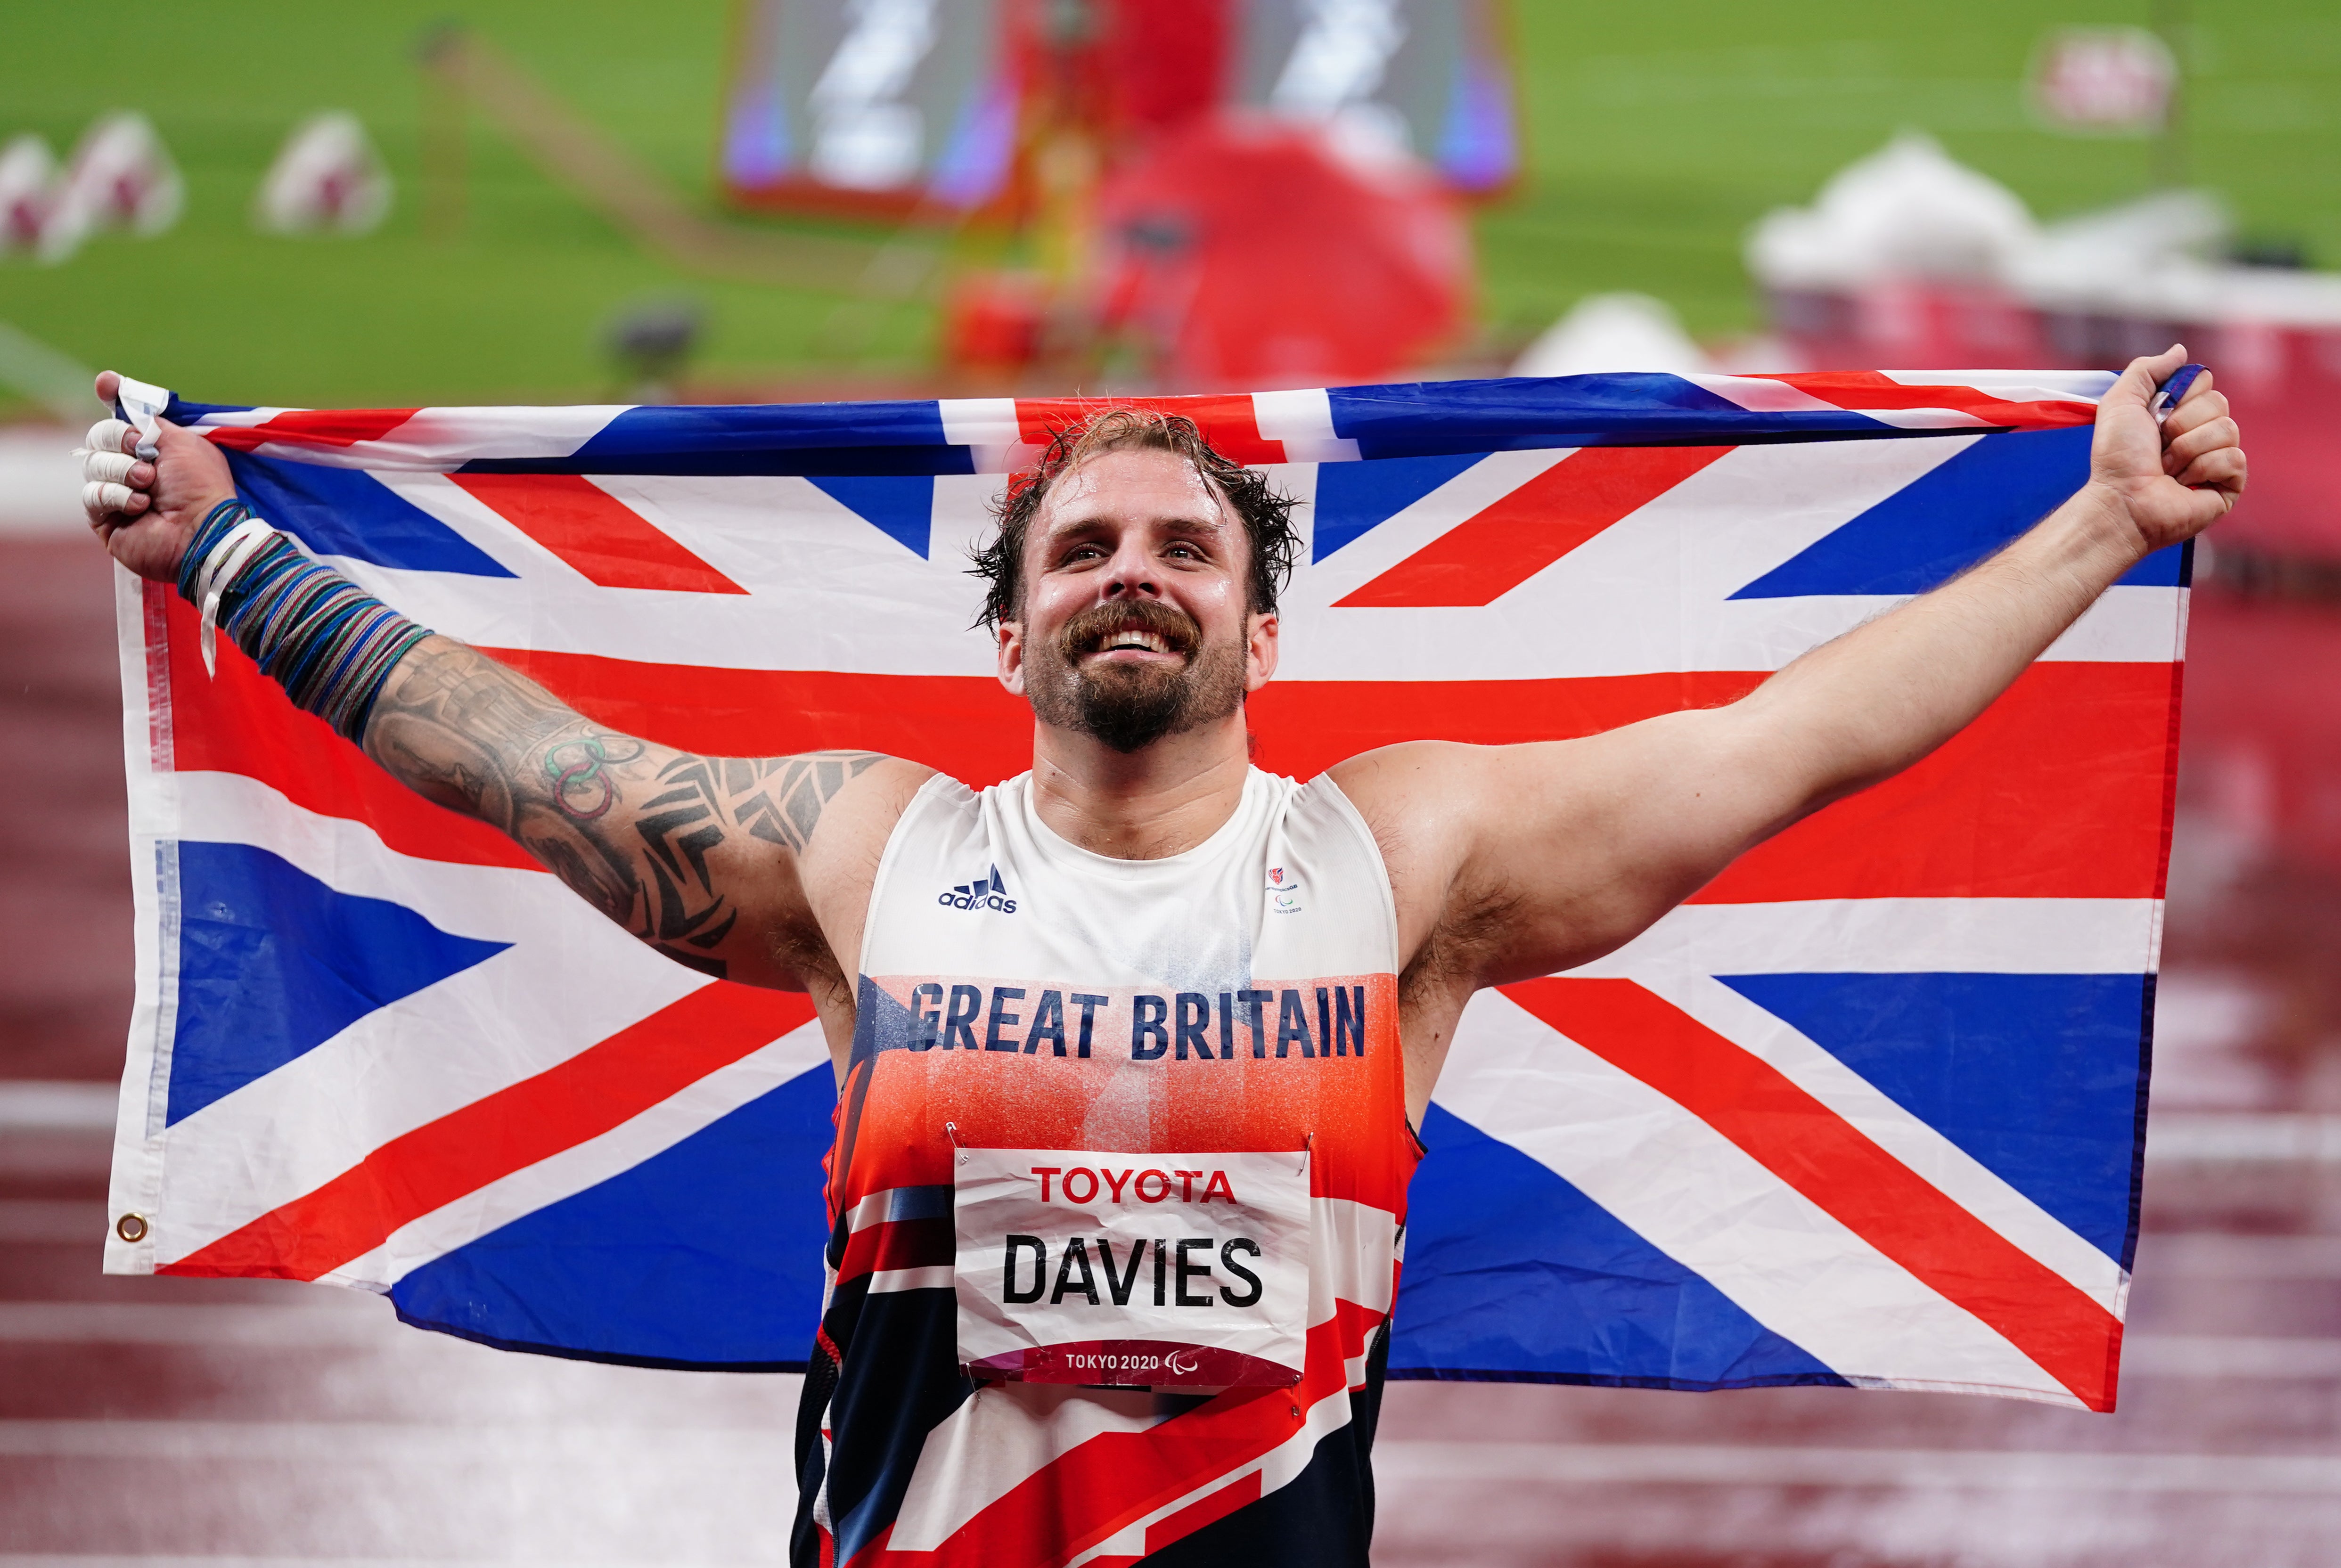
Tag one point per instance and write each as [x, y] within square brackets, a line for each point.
[1144, 805]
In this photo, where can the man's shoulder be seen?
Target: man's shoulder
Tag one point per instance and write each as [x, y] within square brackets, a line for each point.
[873, 798]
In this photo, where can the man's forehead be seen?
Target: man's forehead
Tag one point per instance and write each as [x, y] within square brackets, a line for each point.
[1161, 483]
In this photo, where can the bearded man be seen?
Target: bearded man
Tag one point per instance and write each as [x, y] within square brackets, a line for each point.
[1131, 1049]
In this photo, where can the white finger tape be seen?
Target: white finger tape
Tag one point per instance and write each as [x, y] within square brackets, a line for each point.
[102, 497]
[143, 402]
[106, 435]
[108, 467]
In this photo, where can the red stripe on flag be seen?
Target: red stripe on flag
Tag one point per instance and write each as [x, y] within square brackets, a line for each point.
[1814, 1150]
[1226, 419]
[967, 725]
[313, 427]
[600, 1087]
[611, 544]
[2059, 790]
[1861, 390]
[1495, 550]
[240, 722]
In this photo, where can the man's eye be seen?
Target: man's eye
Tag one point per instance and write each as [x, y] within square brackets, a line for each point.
[1189, 550]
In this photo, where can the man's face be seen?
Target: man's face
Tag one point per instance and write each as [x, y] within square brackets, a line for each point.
[1136, 619]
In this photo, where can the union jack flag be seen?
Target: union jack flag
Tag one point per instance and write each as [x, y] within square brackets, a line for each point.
[1867, 1109]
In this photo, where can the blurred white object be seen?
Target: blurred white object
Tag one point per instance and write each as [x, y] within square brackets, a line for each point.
[28, 188]
[2112, 257]
[326, 177]
[1613, 332]
[865, 138]
[121, 176]
[2113, 80]
[40, 491]
[1909, 210]
[2161, 258]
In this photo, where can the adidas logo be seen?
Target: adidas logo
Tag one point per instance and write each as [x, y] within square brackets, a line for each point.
[983, 893]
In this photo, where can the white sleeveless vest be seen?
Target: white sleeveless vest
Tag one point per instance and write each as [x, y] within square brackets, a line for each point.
[1291, 885]
[1025, 1002]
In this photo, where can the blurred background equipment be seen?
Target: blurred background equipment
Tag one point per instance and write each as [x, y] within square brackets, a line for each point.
[1229, 193]
[651, 343]
[2116, 81]
[900, 106]
[1251, 251]
[1623, 331]
[28, 179]
[120, 177]
[328, 178]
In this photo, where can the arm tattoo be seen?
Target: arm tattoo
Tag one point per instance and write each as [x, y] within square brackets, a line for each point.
[469, 733]
[780, 798]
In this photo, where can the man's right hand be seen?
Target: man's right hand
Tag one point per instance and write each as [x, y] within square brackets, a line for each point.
[148, 531]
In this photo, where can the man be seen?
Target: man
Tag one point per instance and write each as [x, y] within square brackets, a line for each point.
[1131, 1049]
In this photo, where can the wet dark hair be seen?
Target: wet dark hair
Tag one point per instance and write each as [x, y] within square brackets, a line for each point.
[1267, 516]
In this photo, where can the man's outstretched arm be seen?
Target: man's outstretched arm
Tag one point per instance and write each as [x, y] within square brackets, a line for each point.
[698, 857]
[1515, 861]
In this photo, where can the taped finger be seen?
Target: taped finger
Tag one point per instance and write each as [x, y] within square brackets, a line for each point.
[99, 497]
[108, 467]
[111, 435]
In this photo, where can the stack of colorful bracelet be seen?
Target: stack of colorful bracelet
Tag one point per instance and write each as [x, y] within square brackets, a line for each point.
[328, 642]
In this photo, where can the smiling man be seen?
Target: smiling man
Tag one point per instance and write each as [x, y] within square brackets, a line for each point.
[1131, 1047]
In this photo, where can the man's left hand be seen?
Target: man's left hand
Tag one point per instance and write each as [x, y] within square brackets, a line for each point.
[2173, 480]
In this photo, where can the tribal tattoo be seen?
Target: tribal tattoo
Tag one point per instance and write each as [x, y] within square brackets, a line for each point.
[631, 826]
[780, 798]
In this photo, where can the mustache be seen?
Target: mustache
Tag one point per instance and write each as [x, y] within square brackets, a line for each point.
[1093, 628]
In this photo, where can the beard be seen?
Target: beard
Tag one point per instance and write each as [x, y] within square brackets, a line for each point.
[1130, 706]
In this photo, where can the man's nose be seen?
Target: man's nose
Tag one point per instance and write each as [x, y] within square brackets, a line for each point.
[1131, 574]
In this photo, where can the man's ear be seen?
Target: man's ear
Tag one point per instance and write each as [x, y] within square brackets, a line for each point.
[1260, 645]
[1011, 653]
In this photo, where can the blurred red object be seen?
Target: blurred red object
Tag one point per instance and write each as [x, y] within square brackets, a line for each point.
[2262, 736]
[1242, 252]
[993, 322]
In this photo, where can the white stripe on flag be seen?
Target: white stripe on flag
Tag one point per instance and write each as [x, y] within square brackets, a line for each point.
[979, 420]
[417, 1059]
[1697, 1197]
[1417, 524]
[1303, 421]
[1885, 936]
[1763, 394]
[599, 1159]
[2016, 386]
[1932, 1157]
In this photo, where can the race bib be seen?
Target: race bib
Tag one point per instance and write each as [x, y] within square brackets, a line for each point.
[1157, 1270]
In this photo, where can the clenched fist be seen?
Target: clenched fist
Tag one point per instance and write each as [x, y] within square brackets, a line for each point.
[2171, 480]
[144, 512]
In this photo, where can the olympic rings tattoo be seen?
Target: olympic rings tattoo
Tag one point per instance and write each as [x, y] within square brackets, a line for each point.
[586, 771]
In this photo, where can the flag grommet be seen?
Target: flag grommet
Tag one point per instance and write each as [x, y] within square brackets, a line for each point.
[131, 1228]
